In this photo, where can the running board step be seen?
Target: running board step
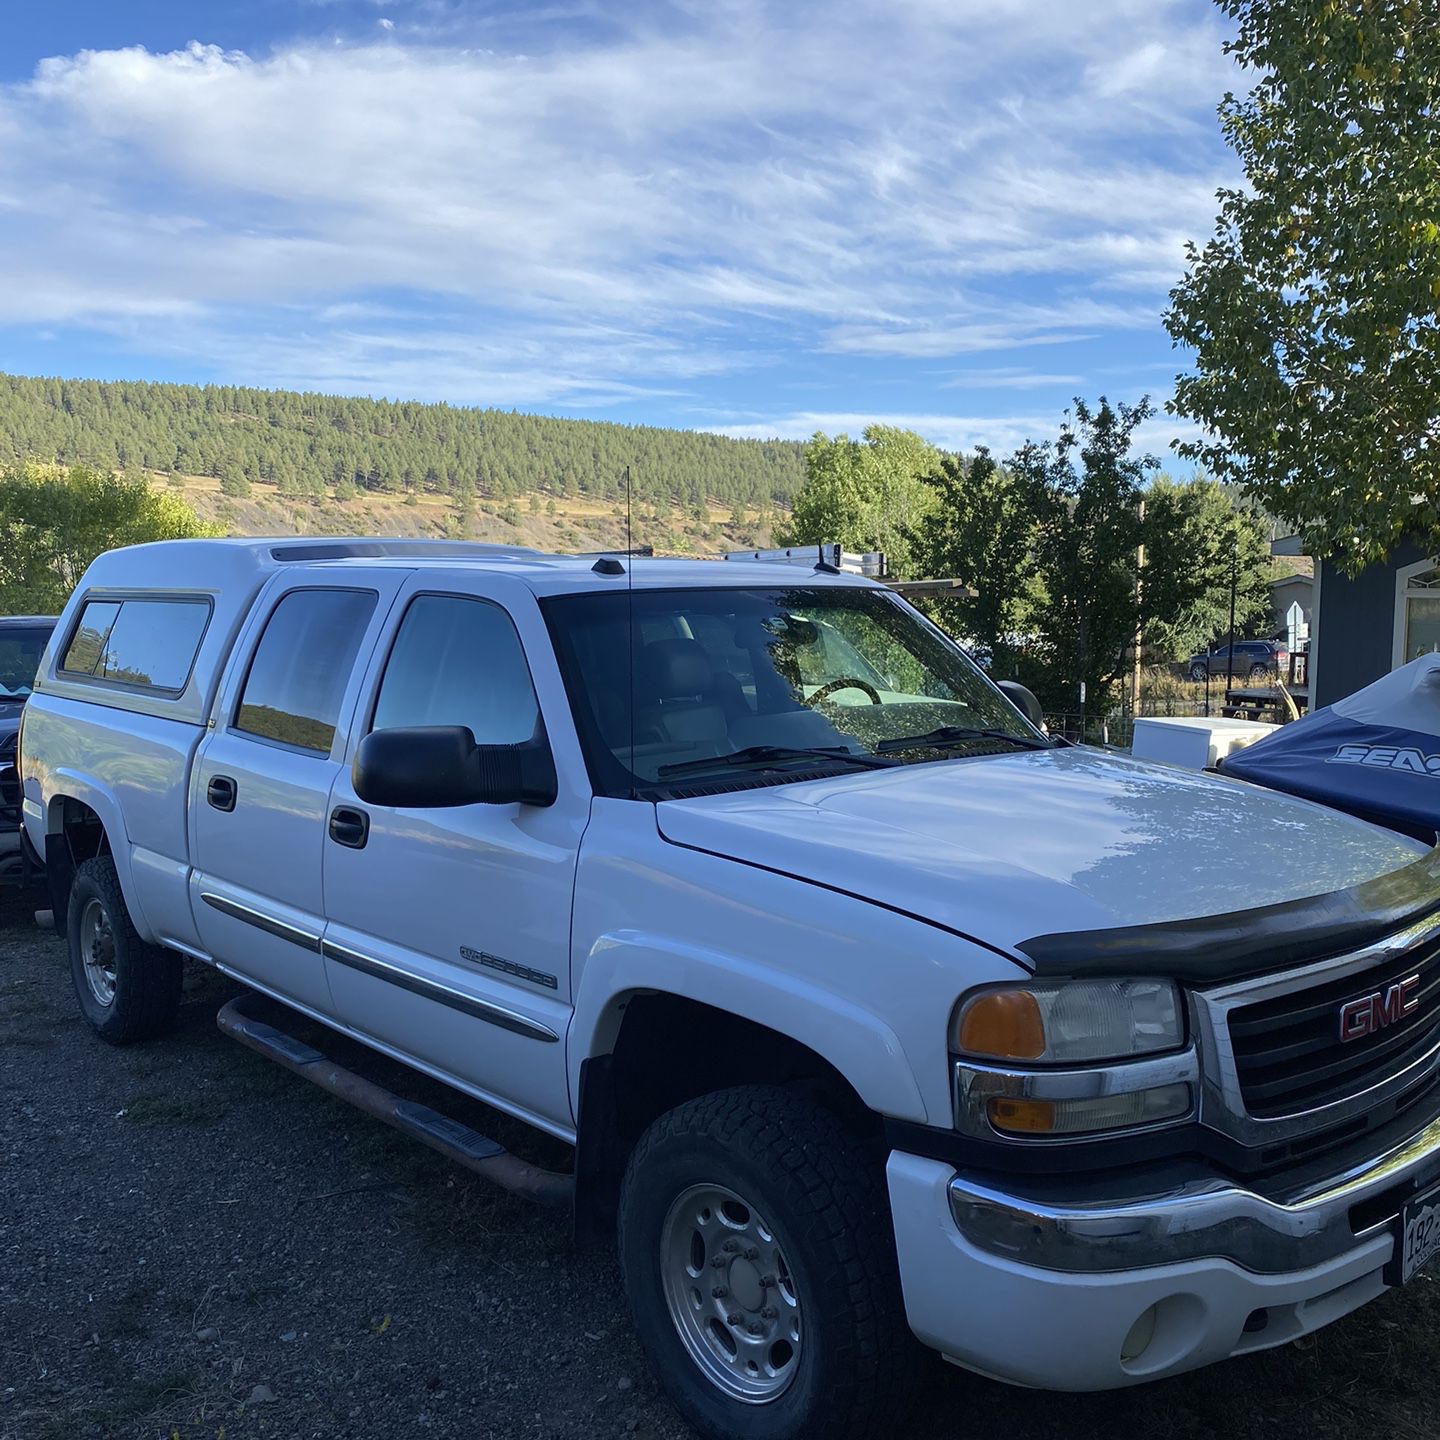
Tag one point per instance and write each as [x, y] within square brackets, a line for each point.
[430, 1127]
[466, 1146]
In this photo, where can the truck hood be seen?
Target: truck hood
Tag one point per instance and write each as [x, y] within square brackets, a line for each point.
[1004, 848]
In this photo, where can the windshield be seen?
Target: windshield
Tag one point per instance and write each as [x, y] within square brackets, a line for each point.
[20, 650]
[729, 685]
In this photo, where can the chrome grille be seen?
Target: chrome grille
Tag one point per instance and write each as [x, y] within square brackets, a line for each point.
[1289, 1056]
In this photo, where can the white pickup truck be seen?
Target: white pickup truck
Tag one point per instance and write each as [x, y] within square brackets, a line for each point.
[868, 1010]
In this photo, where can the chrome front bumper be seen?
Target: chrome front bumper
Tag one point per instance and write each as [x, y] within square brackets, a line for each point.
[1205, 1217]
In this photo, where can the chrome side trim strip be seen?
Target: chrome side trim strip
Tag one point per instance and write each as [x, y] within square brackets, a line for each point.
[432, 990]
[565, 1133]
[306, 939]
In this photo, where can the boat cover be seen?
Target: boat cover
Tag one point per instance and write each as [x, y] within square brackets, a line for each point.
[1375, 753]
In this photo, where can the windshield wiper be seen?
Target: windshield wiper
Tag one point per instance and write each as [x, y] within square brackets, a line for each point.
[958, 735]
[763, 754]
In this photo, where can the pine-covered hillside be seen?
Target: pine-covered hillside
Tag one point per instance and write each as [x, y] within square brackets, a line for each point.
[315, 447]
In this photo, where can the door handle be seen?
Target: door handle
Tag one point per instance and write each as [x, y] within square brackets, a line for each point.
[221, 792]
[349, 826]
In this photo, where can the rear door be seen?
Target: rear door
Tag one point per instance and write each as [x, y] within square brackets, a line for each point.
[448, 930]
[262, 777]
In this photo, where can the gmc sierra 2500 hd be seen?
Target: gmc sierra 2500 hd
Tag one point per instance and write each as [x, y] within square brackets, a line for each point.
[869, 1010]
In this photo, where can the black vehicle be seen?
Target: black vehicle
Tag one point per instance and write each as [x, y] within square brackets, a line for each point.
[1254, 660]
[22, 642]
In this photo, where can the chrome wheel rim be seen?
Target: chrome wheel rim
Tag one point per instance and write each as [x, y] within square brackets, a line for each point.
[97, 950]
[731, 1294]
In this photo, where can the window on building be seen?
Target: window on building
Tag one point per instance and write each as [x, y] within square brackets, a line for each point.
[1420, 620]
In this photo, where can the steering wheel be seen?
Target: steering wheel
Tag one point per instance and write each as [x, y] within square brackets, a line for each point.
[844, 682]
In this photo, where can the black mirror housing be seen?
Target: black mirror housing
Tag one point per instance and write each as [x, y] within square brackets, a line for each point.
[1023, 699]
[435, 767]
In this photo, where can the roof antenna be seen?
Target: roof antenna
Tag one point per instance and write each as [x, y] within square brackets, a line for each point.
[630, 613]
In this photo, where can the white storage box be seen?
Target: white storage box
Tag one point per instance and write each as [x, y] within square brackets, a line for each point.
[1193, 741]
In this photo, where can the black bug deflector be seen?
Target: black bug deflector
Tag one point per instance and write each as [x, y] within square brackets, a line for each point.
[1213, 949]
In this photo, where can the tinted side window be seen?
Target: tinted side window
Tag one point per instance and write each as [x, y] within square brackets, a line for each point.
[302, 665]
[458, 662]
[87, 644]
[150, 643]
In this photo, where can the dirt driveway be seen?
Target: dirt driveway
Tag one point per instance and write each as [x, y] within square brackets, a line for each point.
[196, 1244]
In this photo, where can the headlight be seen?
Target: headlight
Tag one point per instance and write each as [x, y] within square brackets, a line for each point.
[1070, 1022]
[1061, 1058]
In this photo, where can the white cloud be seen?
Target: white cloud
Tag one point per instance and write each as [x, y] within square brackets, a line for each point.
[1008, 377]
[873, 178]
[1001, 434]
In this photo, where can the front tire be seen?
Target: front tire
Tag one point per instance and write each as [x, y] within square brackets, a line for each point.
[759, 1261]
[127, 990]
[1199, 672]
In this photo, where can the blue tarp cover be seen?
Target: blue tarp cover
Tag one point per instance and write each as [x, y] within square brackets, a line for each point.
[1376, 753]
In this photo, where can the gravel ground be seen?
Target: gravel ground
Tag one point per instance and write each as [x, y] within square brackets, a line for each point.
[194, 1243]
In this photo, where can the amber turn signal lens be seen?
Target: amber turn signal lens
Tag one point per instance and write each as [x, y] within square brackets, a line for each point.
[1028, 1117]
[1004, 1023]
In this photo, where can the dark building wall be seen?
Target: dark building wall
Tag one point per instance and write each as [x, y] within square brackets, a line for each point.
[1355, 628]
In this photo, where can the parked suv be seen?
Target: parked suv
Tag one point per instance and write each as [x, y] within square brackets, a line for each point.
[22, 642]
[1254, 660]
[870, 1013]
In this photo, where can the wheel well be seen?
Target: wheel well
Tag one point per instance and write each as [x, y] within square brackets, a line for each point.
[78, 836]
[670, 1050]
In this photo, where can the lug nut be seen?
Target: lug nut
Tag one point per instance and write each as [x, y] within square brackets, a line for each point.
[733, 1318]
[766, 1281]
[719, 1293]
[755, 1328]
[752, 1253]
[719, 1262]
[768, 1312]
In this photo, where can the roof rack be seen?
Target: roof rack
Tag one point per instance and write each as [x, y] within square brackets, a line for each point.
[353, 548]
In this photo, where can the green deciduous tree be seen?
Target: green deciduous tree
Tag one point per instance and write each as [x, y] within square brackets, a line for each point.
[867, 494]
[1088, 534]
[1314, 311]
[980, 529]
[54, 521]
[1193, 530]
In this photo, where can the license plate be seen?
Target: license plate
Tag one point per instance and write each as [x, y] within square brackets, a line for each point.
[1419, 1234]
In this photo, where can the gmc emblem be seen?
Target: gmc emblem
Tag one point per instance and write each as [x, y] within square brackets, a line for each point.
[1372, 1013]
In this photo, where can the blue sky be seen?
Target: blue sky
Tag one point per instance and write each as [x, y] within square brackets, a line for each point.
[763, 217]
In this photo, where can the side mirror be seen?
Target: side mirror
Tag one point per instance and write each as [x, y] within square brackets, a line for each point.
[433, 767]
[1023, 699]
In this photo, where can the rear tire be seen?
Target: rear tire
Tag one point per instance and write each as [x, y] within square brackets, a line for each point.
[759, 1261]
[1199, 672]
[127, 990]
[1259, 672]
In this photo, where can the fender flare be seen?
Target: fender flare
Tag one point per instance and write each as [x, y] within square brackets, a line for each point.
[73, 785]
[859, 1045]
